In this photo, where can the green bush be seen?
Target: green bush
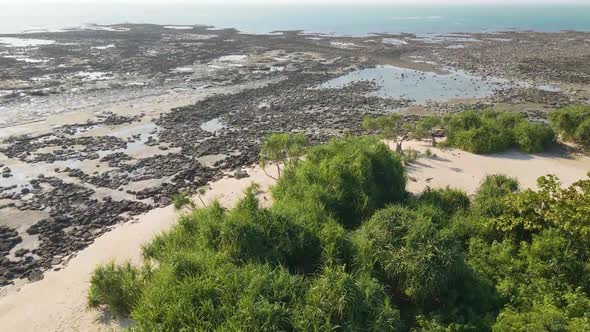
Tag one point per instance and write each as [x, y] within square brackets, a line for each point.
[246, 233]
[118, 287]
[448, 200]
[488, 200]
[409, 250]
[573, 123]
[349, 178]
[533, 137]
[336, 300]
[219, 295]
[490, 132]
[582, 134]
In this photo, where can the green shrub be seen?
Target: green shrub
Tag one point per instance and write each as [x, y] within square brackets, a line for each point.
[406, 247]
[426, 128]
[246, 233]
[533, 137]
[543, 318]
[462, 121]
[181, 200]
[582, 134]
[483, 140]
[350, 178]
[220, 296]
[448, 200]
[488, 200]
[409, 156]
[338, 301]
[573, 123]
[118, 287]
[490, 132]
[282, 148]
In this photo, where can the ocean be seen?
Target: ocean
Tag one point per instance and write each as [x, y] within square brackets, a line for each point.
[335, 19]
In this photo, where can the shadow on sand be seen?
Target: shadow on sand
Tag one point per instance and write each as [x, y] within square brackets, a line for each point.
[558, 151]
[107, 319]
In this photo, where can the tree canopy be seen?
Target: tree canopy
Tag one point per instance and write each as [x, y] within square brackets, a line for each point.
[391, 127]
[282, 148]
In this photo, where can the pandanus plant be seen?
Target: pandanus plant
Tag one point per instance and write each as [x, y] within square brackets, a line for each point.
[282, 148]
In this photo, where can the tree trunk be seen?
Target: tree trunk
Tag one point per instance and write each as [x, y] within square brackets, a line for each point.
[278, 169]
[265, 172]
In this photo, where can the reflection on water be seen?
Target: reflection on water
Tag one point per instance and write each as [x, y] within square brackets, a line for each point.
[420, 86]
[213, 125]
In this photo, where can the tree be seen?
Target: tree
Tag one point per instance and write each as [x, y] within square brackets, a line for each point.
[282, 148]
[180, 200]
[426, 127]
[200, 192]
[391, 127]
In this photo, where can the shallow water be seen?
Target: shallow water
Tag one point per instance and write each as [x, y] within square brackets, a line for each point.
[396, 82]
[24, 42]
[213, 125]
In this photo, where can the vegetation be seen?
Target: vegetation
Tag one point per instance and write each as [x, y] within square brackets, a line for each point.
[119, 287]
[348, 179]
[573, 124]
[409, 156]
[344, 247]
[391, 127]
[426, 128]
[200, 193]
[182, 200]
[281, 148]
[490, 132]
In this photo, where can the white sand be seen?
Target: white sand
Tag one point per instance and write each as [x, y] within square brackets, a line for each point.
[466, 170]
[57, 303]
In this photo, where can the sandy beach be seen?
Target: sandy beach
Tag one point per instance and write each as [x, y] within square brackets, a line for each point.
[57, 303]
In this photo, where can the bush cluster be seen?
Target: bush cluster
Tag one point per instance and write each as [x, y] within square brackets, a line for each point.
[345, 248]
[573, 124]
[490, 132]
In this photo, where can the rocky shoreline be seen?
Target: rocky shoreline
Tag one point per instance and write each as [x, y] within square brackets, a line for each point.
[62, 187]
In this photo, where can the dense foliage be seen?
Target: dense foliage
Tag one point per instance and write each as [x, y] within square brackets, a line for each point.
[348, 179]
[345, 248]
[490, 132]
[573, 124]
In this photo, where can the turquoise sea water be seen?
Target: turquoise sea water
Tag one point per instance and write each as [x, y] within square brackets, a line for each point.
[343, 19]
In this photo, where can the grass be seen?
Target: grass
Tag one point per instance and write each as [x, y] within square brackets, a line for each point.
[118, 287]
